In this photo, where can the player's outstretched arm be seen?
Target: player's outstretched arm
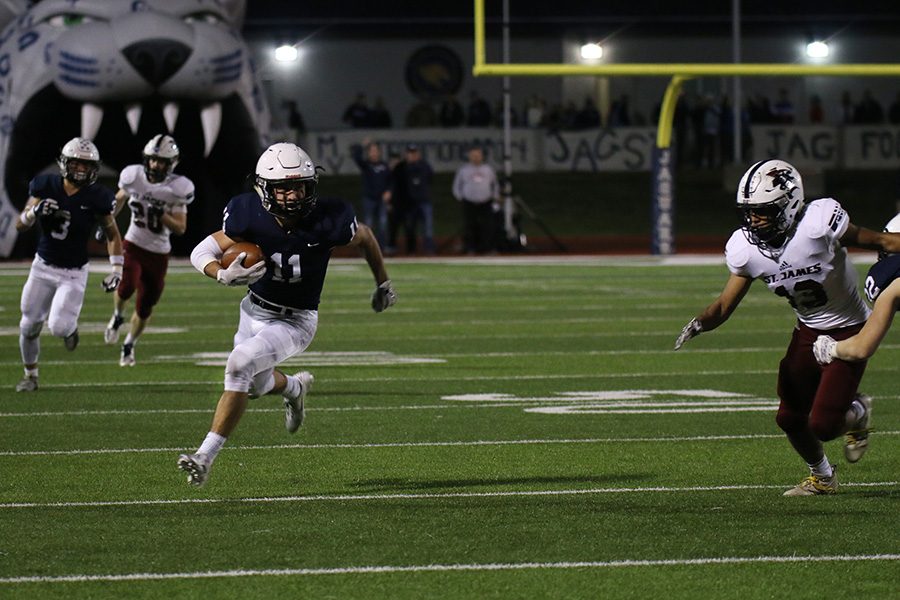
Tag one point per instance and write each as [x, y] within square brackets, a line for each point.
[718, 312]
[114, 249]
[863, 345]
[861, 237]
[29, 214]
[384, 295]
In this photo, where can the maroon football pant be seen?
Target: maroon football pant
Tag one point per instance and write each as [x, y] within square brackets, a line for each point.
[145, 272]
[814, 396]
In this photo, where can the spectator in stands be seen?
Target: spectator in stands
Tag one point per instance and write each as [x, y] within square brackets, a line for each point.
[709, 140]
[479, 113]
[535, 112]
[376, 186]
[726, 131]
[619, 113]
[894, 111]
[760, 110]
[783, 109]
[847, 109]
[356, 115]
[816, 110]
[569, 116]
[497, 117]
[379, 116]
[421, 115]
[451, 113]
[868, 111]
[475, 185]
[588, 117]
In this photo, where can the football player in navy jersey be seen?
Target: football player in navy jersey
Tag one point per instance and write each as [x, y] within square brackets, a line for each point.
[296, 231]
[797, 248]
[883, 290]
[67, 207]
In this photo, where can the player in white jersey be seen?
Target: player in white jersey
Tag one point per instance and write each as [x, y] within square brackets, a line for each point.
[158, 199]
[797, 248]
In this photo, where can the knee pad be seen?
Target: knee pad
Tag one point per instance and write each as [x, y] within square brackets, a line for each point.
[239, 371]
[30, 329]
[61, 327]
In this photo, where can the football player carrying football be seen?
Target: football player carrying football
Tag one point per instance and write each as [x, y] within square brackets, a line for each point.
[797, 249]
[297, 231]
[68, 207]
[158, 199]
[883, 290]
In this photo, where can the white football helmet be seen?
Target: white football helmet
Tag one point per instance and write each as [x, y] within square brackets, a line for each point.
[84, 150]
[893, 226]
[770, 198]
[163, 148]
[287, 169]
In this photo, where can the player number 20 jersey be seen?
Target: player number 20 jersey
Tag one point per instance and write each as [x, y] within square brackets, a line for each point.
[813, 272]
[149, 201]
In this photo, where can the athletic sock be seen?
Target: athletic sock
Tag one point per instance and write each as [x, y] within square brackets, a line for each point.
[211, 445]
[292, 387]
[31, 372]
[130, 340]
[822, 468]
[856, 412]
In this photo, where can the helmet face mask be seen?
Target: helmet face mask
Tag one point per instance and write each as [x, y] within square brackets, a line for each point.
[287, 181]
[164, 152]
[79, 162]
[770, 199]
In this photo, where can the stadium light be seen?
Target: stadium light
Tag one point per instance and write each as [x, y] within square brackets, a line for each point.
[817, 49]
[591, 51]
[286, 53]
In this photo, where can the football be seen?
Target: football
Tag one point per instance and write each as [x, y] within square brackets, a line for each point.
[254, 254]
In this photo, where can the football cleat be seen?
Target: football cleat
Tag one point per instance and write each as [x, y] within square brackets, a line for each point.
[196, 466]
[815, 485]
[71, 341]
[111, 334]
[127, 357]
[856, 440]
[28, 384]
[294, 409]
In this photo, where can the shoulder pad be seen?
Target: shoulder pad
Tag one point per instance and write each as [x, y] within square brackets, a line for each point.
[129, 175]
[184, 188]
[825, 217]
[737, 251]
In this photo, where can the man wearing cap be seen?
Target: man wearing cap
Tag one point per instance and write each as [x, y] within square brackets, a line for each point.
[411, 199]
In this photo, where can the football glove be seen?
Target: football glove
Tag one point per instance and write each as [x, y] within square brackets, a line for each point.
[111, 281]
[384, 296]
[692, 329]
[237, 274]
[824, 349]
[45, 208]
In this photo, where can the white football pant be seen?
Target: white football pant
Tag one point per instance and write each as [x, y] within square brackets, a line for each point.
[54, 292]
[264, 340]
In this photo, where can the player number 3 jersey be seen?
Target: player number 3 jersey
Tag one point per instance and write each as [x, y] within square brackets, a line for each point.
[813, 272]
[149, 201]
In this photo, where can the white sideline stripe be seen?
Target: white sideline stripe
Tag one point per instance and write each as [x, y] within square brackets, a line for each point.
[535, 442]
[375, 497]
[378, 569]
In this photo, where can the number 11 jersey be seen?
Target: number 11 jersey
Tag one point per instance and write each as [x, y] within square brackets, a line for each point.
[813, 271]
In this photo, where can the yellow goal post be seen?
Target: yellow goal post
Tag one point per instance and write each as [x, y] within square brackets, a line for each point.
[663, 234]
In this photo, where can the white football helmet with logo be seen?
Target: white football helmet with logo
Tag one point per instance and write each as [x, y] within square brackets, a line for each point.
[163, 148]
[770, 198]
[287, 168]
[84, 150]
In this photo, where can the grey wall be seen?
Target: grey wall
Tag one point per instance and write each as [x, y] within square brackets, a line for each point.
[331, 71]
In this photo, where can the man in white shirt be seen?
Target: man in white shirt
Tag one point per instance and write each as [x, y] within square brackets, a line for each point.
[475, 185]
[158, 199]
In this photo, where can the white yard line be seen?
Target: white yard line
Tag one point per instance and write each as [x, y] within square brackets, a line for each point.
[382, 497]
[452, 443]
[380, 569]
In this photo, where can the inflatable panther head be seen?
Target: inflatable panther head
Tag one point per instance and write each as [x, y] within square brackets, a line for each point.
[119, 72]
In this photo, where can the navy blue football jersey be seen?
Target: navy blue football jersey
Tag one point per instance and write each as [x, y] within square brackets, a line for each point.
[881, 275]
[296, 259]
[64, 235]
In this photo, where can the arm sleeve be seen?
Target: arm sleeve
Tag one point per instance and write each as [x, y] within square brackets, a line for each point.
[205, 252]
